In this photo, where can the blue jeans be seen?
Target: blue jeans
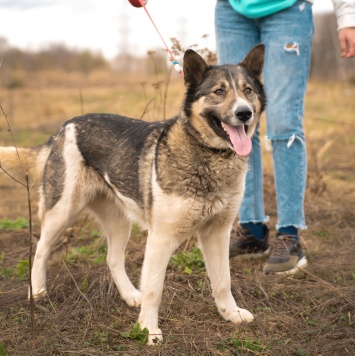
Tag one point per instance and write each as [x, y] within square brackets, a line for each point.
[287, 36]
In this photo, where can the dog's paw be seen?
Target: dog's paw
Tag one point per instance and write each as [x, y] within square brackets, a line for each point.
[237, 315]
[133, 299]
[155, 337]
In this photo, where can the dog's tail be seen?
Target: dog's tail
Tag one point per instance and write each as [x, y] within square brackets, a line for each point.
[18, 163]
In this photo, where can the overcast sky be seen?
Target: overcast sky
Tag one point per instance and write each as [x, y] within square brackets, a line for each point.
[108, 26]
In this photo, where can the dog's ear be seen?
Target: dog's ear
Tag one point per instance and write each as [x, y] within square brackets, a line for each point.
[194, 67]
[254, 61]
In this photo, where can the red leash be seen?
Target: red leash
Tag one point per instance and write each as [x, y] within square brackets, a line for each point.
[177, 67]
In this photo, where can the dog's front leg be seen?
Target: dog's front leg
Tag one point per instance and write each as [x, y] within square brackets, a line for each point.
[158, 252]
[215, 248]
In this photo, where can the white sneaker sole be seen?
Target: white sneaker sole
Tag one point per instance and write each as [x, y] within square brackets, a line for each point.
[302, 263]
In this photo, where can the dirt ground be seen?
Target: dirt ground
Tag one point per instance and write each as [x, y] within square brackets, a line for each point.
[312, 314]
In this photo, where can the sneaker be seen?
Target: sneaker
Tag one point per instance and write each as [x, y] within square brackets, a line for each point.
[243, 243]
[286, 257]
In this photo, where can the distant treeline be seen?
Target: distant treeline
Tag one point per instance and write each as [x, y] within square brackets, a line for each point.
[56, 56]
[326, 63]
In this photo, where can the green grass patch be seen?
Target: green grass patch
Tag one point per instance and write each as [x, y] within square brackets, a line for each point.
[2, 349]
[136, 231]
[7, 272]
[101, 337]
[17, 224]
[22, 270]
[137, 334]
[95, 233]
[84, 285]
[189, 261]
[94, 253]
[241, 345]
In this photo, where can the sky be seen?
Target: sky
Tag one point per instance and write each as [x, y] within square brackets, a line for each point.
[110, 26]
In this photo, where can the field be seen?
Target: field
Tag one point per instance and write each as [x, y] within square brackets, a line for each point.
[312, 314]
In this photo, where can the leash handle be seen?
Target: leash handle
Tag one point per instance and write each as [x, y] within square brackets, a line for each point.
[177, 67]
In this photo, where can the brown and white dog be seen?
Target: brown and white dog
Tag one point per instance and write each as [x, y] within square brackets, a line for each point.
[180, 177]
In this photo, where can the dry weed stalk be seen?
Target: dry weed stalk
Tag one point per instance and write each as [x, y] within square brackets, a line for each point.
[81, 102]
[206, 53]
[157, 85]
[29, 203]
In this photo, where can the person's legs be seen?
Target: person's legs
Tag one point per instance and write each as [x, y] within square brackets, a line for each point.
[236, 35]
[287, 36]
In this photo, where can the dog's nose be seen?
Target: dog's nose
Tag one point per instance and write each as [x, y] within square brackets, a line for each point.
[243, 113]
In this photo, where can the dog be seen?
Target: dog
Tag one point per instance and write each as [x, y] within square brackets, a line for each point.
[177, 178]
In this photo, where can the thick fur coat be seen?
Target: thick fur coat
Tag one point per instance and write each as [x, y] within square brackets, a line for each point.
[177, 178]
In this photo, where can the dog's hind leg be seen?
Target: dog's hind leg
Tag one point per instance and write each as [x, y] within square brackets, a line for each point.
[215, 248]
[54, 223]
[67, 187]
[117, 228]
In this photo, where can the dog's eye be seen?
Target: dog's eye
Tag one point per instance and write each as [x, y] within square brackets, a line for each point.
[248, 91]
[218, 91]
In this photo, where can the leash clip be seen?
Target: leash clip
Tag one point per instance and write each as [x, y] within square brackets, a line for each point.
[178, 68]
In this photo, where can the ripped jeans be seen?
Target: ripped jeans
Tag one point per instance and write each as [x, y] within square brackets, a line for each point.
[287, 36]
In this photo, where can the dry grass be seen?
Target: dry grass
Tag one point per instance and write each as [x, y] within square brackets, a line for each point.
[313, 314]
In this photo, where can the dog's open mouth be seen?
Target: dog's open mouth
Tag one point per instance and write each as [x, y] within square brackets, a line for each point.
[236, 135]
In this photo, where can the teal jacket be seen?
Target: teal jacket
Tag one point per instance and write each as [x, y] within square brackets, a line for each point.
[260, 8]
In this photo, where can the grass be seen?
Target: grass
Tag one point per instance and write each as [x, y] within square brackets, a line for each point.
[137, 334]
[22, 270]
[189, 261]
[237, 345]
[17, 224]
[19, 271]
[95, 253]
[2, 349]
[45, 110]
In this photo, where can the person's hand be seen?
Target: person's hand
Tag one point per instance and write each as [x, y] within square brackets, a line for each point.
[347, 42]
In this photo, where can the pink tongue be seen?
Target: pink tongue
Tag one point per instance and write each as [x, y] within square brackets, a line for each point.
[240, 141]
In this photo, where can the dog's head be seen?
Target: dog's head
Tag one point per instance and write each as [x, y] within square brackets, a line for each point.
[224, 103]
